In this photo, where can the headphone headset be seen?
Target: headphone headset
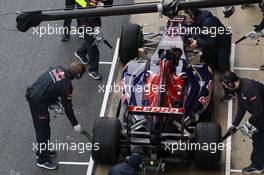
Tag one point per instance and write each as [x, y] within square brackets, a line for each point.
[230, 84]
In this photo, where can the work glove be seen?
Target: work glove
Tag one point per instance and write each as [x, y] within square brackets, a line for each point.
[78, 128]
[247, 129]
[232, 129]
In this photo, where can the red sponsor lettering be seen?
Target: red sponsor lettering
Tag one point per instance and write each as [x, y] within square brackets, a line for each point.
[155, 109]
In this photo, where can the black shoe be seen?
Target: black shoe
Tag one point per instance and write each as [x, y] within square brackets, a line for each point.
[251, 169]
[95, 75]
[227, 97]
[50, 165]
[83, 59]
[65, 37]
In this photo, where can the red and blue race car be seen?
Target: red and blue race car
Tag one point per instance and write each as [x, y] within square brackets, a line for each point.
[164, 102]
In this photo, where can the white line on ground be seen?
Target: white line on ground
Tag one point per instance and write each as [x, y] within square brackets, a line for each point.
[105, 62]
[73, 163]
[246, 68]
[110, 79]
[229, 117]
[235, 171]
[106, 96]
[90, 166]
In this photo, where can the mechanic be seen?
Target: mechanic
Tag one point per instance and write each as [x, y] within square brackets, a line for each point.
[130, 167]
[216, 50]
[46, 91]
[90, 46]
[250, 97]
[229, 10]
[218, 47]
[260, 27]
[69, 4]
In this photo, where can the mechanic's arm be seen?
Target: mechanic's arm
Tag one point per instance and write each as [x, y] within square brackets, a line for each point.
[240, 112]
[209, 40]
[257, 102]
[67, 104]
[260, 26]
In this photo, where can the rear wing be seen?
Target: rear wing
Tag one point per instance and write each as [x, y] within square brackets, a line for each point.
[148, 110]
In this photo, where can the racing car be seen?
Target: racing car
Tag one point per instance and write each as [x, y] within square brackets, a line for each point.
[164, 101]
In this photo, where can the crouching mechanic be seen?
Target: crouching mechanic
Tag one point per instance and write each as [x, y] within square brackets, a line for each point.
[250, 96]
[46, 91]
[260, 27]
[130, 167]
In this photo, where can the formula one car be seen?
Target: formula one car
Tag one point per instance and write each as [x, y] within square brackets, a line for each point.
[164, 102]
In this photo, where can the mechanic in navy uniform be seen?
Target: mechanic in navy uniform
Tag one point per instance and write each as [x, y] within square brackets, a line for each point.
[260, 27]
[250, 97]
[216, 50]
[130, 167]
[46, 91]
[89, 47]
[69, 4]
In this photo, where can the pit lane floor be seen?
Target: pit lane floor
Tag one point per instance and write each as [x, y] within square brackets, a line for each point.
[245, 55]
[23, 57]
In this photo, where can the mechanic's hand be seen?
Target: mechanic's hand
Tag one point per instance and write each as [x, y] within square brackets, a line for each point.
[232, 129]
[248, 129]
[78, 128]
[194, 44]
[248, 124]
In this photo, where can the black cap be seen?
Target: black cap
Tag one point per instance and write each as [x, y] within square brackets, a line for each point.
[229, 77]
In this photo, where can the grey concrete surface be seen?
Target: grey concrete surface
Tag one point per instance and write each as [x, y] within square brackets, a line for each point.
[23, 57]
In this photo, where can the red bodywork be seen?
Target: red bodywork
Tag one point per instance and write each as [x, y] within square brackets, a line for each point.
[172, 87]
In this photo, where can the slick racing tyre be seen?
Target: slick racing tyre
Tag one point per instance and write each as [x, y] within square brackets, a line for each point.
[130, 42]
[208, 136]
[106, 132]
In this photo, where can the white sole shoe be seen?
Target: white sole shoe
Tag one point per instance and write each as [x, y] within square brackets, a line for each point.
[80, 58]
[46, 167]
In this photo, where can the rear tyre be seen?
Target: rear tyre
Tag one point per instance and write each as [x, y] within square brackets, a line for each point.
[208, 135]
[106, 132]
[130, 42]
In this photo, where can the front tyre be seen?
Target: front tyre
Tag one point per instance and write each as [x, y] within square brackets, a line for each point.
[208, 135]
[106, 133]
